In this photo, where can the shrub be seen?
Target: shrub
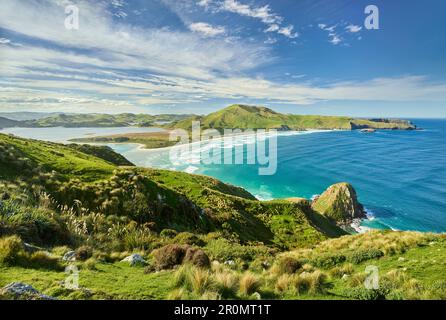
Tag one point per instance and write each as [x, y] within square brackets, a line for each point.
[249, 283]
[327, 261]
[362, 293]
[287, 265]
[197, 257]
[188, 238]
[83, 253]
[172, 255]
[169, 256]
[168, 233]
[363, 255]
[11, 250]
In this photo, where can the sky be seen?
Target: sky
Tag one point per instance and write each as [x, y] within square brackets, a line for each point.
[198, 56]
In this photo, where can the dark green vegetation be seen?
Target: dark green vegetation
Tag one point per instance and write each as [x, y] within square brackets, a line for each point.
[209, 239]
[251, 117]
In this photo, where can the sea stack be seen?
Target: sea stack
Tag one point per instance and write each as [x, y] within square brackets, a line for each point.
[339, 203]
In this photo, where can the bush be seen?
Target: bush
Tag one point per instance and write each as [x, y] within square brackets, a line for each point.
[363, 255]
[328, 261]
[197, 257]
[168, 233]
[172, 255]
[169, 256]
[287, 265]
[11, 251]
[83, 253]
[188, 238]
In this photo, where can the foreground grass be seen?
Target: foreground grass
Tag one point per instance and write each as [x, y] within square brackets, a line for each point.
[109, 281]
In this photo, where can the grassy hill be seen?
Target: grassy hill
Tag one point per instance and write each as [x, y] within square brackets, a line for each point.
[208, 239]
[251, 117]
[100, 120]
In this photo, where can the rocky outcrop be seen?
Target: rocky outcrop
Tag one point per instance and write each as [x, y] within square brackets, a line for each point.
[339, 203]
[135, 260]
[22, 291]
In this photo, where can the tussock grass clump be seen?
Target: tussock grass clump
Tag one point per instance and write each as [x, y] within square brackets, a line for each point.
[340, 271]
[227, 283]
[90, 264]
[284, 283]
[11, 251]
[194, 280]
[43, 260]
[249, 284]
[312, 283]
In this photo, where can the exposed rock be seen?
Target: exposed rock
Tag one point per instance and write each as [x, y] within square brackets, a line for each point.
[69, 256]
[135, 260]
[32, 248]
[340, 203]
[22, 291]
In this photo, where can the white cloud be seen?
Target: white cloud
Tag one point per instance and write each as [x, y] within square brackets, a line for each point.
[334, 37]
[204, 3]
[353, 28]
[110, 67]
[263, 13]
[206, 29]
[288, 32]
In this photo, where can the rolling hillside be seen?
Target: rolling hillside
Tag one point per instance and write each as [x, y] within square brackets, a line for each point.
[251, 117]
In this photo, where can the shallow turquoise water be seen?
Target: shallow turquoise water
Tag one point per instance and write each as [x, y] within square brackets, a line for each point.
[400, 176]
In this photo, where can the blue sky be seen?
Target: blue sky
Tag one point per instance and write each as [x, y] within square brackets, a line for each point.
[184, 56]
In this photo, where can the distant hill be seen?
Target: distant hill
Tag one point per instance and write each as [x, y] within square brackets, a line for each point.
[7, 123]
[23, 116]
[101, 120]
[253, 117]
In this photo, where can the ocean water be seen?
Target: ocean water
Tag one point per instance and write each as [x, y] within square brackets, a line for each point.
[400, 176]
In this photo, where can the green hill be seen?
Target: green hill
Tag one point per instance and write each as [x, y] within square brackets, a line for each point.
[252, 117]
[59, 203]
[100, 120]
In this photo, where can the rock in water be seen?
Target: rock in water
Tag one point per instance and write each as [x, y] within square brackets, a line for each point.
[340, 203]
[22, 291]
[135, 260]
